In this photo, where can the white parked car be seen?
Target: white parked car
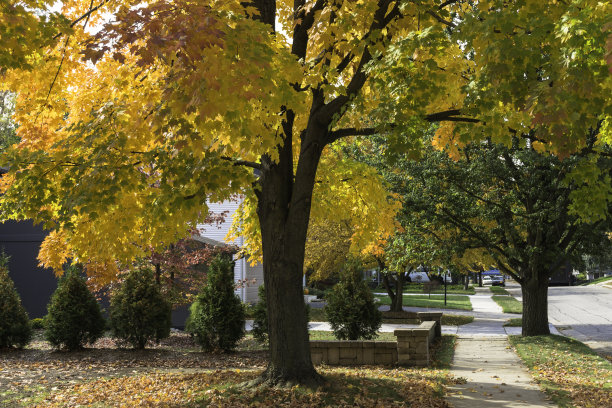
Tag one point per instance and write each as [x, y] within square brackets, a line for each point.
[486, 280]
[418, 277]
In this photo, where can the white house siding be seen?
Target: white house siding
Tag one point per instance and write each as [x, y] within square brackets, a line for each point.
[253, 272]
[242, 270]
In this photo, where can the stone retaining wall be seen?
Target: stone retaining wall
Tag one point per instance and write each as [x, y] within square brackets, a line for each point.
[411, 348]
[353, 352]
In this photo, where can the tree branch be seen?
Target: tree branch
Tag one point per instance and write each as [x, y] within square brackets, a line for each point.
[446, 3]
[84, 16]
[440, 19]
[246, 163]
[340, 133]
[449, 116]
[300, 32]
[380, 21]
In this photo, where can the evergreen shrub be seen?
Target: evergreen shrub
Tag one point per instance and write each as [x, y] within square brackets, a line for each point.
[138, 310]
[217, 315]
[351, 310]
[260, 318]
[37, 324]
[15, 328]
[74, 317]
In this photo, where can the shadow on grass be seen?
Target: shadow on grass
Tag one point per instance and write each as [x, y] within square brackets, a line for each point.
[568, 370]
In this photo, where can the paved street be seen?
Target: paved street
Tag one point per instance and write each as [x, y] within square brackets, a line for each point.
[581, 312]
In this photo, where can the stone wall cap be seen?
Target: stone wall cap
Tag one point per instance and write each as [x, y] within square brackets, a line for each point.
[430, 314]
[412, 332]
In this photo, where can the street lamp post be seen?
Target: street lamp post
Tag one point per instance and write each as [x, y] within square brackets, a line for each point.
[445, 286]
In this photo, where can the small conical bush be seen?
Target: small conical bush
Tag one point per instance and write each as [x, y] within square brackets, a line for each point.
[139, 312]
[351, 310]
[217, 316]
[15, 328]
[74, 318]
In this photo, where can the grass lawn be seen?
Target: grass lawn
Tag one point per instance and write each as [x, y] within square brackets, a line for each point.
[508, 304]
[327, 335]
[454, 289]
[515, 322]
[456, 320]
[418, 288]
[599, 280]
[318, 315]
[569, 371]
[498, 290]
[177, 374]
[461, 302]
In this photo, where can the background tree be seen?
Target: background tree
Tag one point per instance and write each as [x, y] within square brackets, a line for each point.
[516, 204]
[180, 269]
[353, 214]
[404, 253]
[188, 98]
[8, 135]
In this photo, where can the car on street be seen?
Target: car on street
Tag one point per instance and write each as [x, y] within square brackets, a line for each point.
[497, 280]
[486, 280]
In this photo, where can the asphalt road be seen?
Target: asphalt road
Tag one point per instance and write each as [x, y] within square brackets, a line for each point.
[581, 312]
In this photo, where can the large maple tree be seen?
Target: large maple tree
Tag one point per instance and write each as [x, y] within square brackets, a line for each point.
[126, 132]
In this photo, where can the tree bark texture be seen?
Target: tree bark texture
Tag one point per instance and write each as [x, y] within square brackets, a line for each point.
[535, 306]
[284, 210]
[397, 297]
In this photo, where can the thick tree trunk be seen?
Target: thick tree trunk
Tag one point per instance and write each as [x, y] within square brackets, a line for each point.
[388, 288]
[535, 306]
[397, 302]
[284, 211]
[466, 282]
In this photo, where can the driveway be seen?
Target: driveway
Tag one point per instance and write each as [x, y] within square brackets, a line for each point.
[581, 312]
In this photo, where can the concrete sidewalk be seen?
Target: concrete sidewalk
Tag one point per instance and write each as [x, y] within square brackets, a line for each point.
[495, 376]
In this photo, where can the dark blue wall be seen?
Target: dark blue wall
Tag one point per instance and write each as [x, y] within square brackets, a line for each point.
[21, 241]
